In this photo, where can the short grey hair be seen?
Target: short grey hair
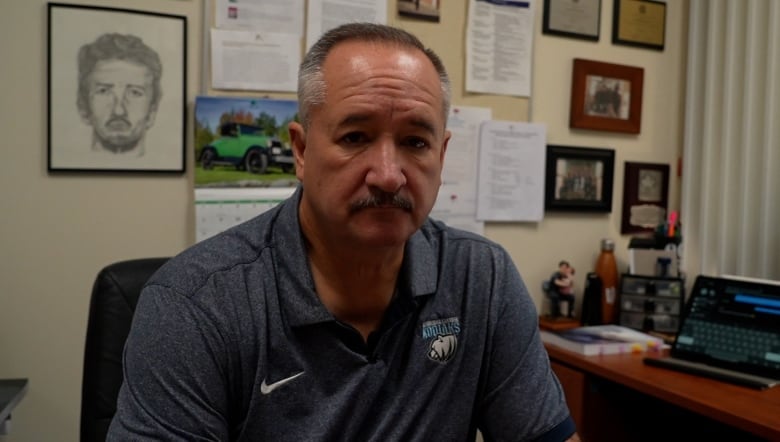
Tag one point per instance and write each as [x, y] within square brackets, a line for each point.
[311, 84]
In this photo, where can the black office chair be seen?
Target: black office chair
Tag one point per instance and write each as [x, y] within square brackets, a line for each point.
[114, 297]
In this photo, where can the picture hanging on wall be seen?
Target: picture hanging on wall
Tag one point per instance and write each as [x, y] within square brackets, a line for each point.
[645, 197]
[579, 179]
[116, 90]
[572, 18]
[426, 10]
[606, 96]
[640, 23]
[244, 142]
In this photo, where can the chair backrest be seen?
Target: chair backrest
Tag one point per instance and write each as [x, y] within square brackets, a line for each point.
[114, 297]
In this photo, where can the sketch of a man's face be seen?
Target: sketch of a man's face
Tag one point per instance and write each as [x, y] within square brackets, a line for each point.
[120, 103]
[119, 91]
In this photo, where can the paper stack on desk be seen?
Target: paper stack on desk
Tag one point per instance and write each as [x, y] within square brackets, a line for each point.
[603, 340]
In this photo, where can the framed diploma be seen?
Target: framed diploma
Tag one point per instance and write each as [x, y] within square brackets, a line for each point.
[639, 23]
[645, 197]
[572, 18]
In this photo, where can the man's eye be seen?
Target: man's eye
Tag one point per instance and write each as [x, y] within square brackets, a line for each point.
[102, 90]
[135, 92]
[353, 138]
[417, 143]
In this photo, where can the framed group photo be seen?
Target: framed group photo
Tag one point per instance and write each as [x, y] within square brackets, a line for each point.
[645, 197]
[116, 90]
[579, 179]
[606, 96]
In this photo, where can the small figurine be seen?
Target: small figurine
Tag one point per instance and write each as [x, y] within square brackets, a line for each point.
[561, 289]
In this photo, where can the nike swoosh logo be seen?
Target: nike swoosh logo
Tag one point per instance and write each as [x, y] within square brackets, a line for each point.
[267, 388]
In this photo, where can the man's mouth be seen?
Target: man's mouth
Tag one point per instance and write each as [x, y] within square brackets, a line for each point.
[118, 124]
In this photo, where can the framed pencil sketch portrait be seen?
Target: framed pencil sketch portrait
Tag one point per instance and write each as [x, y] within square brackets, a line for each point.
[606, 96]
[116, 90]
[579, 179]
[645, 197]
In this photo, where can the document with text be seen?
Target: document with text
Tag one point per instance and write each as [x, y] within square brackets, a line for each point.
[499, 45]
[511, 171]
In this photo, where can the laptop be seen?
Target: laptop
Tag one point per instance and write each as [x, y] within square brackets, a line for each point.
[729, 330]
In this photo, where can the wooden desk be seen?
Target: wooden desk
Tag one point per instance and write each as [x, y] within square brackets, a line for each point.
[599, 388]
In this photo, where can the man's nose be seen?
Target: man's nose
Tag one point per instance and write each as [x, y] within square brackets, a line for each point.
[119, 107]
[386, 166]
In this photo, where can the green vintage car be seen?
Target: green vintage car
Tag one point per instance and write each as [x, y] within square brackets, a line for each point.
[246, 148]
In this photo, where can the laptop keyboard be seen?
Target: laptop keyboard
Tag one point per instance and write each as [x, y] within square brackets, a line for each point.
[730, 342]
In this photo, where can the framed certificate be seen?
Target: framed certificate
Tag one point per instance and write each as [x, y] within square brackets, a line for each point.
[645, 197]
[639, 23]
[572, 18]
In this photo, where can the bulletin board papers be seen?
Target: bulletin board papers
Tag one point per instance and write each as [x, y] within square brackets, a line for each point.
[511, 171]
[456, 203]
[499, 46]
[285, 16]
[217, 210]
[246, 60]
[324, 15]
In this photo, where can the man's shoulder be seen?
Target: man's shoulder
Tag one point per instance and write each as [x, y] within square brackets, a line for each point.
[241, 245]
[449, 236]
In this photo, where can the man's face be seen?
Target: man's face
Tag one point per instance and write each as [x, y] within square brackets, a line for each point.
[379, 134]
[120, 103]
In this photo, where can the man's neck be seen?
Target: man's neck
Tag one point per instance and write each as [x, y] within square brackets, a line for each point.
[356, 287]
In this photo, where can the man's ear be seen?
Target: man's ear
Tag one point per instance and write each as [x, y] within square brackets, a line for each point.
[298, 144]
[447, 136]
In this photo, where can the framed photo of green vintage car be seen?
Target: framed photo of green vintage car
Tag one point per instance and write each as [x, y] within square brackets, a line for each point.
[606, 96]
[244, 142]
[116, 89]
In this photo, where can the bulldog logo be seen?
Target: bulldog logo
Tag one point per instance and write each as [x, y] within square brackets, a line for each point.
[443, 348]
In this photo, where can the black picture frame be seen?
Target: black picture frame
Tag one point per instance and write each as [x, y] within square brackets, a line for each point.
[579, 179]
[580, 19]
[645, 197]
[116, 90]
[639, 23]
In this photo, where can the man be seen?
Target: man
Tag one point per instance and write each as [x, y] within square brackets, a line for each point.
[118, 92]
[345, 313]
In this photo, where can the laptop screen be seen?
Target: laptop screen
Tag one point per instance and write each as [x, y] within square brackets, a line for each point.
[732, 323]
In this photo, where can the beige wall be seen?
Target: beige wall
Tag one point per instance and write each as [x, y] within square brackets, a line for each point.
[59, 230]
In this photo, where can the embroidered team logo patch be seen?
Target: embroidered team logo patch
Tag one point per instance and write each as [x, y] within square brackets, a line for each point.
[443, 335]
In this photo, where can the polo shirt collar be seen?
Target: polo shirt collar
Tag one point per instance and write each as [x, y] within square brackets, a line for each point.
[299, 301]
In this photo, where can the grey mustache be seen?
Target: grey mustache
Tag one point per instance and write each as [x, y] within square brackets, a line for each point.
[382, 200]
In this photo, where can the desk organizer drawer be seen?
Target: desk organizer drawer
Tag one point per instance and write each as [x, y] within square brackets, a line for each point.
[639, 285]
[650, 322]
[649, 304]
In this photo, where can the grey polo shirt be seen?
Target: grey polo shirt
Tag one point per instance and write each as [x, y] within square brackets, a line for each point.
[230, 342]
